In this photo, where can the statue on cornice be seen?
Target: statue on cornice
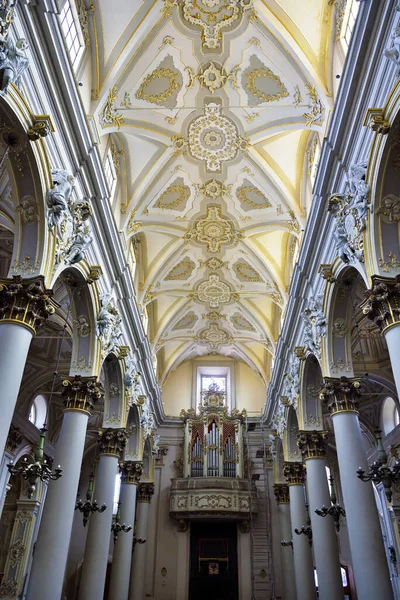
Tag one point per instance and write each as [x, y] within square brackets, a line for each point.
[314, 327]
[146, 418]
[80, 242]
[108, 326]
[131, 381]
[279, 421]
[58, 197]
[393, 52]
[291, 386]
[13, 62]
[156, 443]
[349, 211]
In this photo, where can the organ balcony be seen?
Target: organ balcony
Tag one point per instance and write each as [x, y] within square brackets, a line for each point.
[214, 464]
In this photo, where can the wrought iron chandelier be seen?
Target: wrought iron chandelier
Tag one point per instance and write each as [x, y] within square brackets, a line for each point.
[89, 506]
[306, 529]
[116, 527]
[335, 510]
[380, 472]
[37, 467]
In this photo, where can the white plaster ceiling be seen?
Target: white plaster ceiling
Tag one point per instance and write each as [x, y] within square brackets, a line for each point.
[213, 132]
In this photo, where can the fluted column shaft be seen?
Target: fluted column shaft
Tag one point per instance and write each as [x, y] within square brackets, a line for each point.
[326, 551]
[303, 560]
[51, 551]
[111, 444]
[122, 557]
[24, 303]
[138, 570]
[370, 566]
[288, 577]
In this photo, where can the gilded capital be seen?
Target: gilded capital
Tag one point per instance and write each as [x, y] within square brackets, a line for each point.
[295, 473]
[81, 393]
[341, 394]
[25, 301]
[312, 443]
[382, 305]
[112, 441]
[131, 471]
[281, 491]
[145, 492]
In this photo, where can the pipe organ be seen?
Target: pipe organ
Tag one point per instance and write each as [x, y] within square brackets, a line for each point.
[213, 438]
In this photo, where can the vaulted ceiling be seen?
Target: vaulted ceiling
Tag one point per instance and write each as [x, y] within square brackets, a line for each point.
[211, 105]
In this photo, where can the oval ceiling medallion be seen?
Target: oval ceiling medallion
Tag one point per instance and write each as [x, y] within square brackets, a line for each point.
[181, 271]
[251, 198]
[214, 291]
[162, 85]
[174, 197]
[213, 138]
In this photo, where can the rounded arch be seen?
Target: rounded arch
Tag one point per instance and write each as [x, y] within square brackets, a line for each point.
[291, 451]
[134, 446]
[309, 408]
[22, 203]
[81, 302]
[112, 377]
[347, 285]
[382, 238]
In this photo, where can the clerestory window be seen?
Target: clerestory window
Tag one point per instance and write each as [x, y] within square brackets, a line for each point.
[72, 33]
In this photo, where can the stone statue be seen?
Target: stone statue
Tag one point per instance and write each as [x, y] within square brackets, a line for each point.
[314, 327]
[146, 418]
[80, 242]
[105, 317]
[59, 196]
[13, 62]
[156, 442]
[393, 52]
[349, 211]
[131, 381]
[291, 386]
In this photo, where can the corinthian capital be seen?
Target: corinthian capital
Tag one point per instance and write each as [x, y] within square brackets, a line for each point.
[145, 492]
[312, 443]
[383, 301]
[131, 471]
[341, 394]
[295, 473]
[281, 491]
[112, 441]
[81, 393]
[25, 301]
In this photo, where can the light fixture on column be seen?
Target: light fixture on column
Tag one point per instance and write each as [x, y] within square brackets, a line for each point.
[286, 543]
[137, 541]
[116, 527]
[38, 468]
[306, 529]
[89, 506]
[335, 510]
[380, 472]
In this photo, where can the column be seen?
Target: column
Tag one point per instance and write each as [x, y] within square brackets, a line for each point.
[302, 554]
[51, 552]
[111, 445]
[366, 543]
[122, 557]
[326, 550]
[24, 304]
[138, 570]
[281, 491]
[383, 307]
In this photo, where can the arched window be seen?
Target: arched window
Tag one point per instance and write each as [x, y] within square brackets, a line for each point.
[37, 414]
[390, 415]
